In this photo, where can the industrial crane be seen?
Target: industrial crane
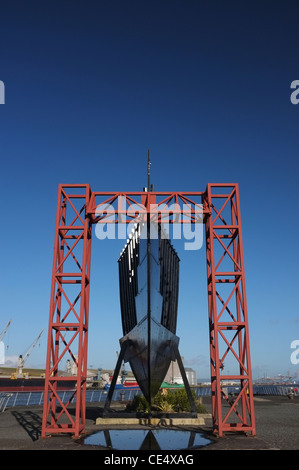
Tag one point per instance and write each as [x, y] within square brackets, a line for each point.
[4, 331]
[22, 360]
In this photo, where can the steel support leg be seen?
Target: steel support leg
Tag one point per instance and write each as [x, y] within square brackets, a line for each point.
[115, 376]
[228, 319]
[185, 380]
[68, 318]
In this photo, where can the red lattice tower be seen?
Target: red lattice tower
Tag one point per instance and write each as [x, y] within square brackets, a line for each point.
[228, 318]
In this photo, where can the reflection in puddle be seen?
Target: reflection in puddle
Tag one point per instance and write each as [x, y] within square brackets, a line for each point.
[144, 439]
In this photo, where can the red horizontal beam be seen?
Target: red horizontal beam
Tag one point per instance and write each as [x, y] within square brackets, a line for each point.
[67, 326]
[62, 378]
[69, 274]
[231, 325]
[234, 377]
[229, 273]
[70, 227]
[145, 193]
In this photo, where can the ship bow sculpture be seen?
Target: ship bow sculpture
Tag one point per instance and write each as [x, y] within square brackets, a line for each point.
[148, 285]
[149, 277]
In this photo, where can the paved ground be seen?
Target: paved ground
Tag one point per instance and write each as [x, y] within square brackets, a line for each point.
[277, 421]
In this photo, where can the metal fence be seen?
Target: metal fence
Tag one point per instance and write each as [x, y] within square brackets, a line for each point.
[4, 398]
[12, 399]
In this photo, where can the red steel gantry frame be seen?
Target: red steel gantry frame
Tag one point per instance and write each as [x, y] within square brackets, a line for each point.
[78, 208]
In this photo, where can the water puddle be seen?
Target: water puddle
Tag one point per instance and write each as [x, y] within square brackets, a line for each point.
[144, 439]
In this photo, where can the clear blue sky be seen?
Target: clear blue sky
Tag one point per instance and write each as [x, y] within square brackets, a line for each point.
[89, 87]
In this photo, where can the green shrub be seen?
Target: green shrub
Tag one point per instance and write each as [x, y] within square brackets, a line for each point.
[166, 401]
[179, 399]
[165, 406]
[139, 403]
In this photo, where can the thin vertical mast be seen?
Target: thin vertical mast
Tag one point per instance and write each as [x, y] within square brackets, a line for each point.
[149, 280]
[148, 170]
